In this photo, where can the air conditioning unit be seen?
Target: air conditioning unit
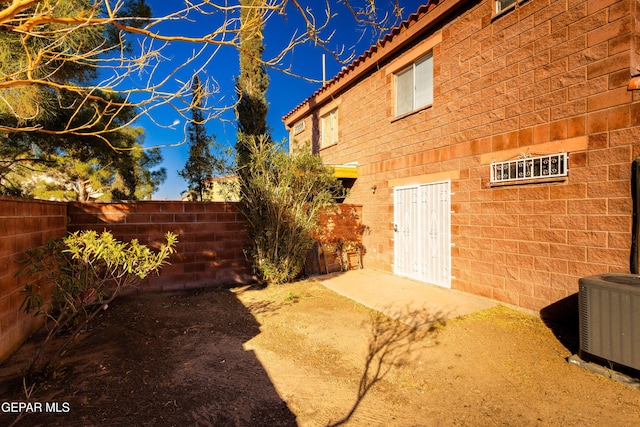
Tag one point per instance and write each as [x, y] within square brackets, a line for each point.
[609, 307]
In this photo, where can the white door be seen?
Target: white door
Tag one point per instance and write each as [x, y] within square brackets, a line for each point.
[422, 232]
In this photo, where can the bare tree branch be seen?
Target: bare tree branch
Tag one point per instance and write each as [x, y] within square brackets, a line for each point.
[40, 48]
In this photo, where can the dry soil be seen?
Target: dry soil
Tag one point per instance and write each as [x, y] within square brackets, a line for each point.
[303, 355]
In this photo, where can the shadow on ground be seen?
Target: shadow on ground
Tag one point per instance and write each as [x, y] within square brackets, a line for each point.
[158, 359]
[562, 317]
[390, 342]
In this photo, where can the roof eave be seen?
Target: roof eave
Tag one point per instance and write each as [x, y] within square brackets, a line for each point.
[425, 19]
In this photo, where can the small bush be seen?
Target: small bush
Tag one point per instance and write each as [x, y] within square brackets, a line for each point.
[88, 270]
[282, 196]
[292, 297]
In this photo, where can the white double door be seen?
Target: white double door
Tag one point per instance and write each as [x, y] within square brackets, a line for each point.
[422, 232]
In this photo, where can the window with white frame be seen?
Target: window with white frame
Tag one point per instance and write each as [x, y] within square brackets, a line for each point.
[502, 5]
[414, 86]
[527, 168]
[330, 128]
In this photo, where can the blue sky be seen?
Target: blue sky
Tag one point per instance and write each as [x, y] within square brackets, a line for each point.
[285, 92]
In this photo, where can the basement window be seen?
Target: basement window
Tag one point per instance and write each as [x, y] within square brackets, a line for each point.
[526, 168]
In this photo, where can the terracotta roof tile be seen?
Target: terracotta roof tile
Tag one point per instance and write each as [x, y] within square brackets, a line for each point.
[388, 38]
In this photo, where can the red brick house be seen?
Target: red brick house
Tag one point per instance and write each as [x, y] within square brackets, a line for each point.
[490, 144]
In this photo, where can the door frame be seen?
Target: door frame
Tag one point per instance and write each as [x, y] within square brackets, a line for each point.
[422, 232]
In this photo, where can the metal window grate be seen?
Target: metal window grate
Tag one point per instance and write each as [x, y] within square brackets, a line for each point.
[530, 168]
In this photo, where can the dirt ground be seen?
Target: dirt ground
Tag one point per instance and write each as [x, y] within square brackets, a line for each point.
[303, 355]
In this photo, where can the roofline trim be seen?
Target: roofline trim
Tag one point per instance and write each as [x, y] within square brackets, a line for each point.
[433, 12]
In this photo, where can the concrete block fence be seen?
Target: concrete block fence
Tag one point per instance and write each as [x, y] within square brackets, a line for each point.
[24, 224]
[338, 228]
[211, 238]
[210, 253]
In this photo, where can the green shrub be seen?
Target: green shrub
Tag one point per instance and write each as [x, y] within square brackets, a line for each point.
[88, 270]
[281, 196]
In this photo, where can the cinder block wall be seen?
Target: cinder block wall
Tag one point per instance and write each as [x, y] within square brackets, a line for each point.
[342, 225]
[24, 224]
[210, 252]
[549, 75]
[211, 238]
[340, 228]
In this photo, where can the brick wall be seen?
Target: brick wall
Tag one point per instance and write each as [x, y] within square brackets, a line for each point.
[24, 224]
[340, 240]
[545, 77]
[210, 251]
[552, 72]
[211, 238]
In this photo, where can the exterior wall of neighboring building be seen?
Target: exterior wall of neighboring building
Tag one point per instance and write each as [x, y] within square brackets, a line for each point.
[543, 78]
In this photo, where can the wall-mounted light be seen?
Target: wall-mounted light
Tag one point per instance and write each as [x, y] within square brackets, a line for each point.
[373, 189]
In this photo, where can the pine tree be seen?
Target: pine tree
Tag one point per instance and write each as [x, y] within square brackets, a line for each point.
[69, 124]
[253, 81]
[199, 169]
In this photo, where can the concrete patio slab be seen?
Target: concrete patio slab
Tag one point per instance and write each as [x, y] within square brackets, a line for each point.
[411, 302]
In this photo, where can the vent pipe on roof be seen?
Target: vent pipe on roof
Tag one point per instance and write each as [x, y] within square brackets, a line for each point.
[324, 70]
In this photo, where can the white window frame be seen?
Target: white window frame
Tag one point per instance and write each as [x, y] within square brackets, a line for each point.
[530, 169]
[504, 5]
[420, 85]
[329, 128]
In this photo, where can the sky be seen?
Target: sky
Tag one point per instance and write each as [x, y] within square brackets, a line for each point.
[285, 92]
